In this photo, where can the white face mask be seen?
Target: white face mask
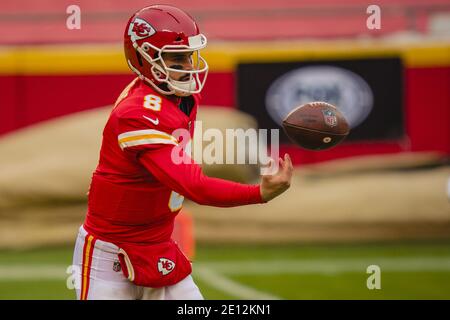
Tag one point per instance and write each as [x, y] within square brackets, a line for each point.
[161, 71]
[194, 83]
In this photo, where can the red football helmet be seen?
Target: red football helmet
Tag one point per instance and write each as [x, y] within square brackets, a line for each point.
[158, 29]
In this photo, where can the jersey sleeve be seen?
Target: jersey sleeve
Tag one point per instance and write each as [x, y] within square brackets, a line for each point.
[187, 179]
[138, 132]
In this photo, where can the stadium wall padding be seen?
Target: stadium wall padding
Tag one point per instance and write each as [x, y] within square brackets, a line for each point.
[43, 82]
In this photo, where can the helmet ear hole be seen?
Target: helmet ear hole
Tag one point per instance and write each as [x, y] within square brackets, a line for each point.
[157, 74]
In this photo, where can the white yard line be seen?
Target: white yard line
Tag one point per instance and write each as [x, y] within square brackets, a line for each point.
[329, 266]
[232, 288]
[53, 271]
[33, 272]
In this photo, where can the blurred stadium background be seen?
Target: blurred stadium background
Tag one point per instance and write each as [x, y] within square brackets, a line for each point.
[381, 198]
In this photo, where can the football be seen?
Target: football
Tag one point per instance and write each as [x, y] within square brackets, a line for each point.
[316, 126]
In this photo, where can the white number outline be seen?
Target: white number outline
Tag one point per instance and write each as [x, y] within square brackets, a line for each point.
[152, 102]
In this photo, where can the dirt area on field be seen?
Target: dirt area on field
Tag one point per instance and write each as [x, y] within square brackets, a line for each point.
[377, 205]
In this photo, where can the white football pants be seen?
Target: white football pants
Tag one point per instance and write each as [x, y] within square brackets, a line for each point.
[97, 276]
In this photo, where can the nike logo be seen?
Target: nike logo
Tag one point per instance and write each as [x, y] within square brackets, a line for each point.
[154, 121]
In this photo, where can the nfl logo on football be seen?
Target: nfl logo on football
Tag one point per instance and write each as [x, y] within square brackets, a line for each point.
[330, 118]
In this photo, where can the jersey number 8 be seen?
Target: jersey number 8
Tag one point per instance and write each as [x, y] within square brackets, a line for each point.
[152, 102]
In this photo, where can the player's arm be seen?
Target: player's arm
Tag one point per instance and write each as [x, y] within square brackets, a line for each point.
[151, 144]
[188, 179]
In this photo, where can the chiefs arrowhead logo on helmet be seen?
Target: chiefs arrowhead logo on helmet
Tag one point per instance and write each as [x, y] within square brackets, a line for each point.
[140, 29]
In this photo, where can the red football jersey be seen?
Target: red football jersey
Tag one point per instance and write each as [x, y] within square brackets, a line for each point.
[137, 190]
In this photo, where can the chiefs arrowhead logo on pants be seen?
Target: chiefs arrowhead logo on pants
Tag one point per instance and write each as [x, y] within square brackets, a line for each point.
[165, 266]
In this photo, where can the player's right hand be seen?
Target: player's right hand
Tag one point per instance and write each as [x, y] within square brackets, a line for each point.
[273, 185]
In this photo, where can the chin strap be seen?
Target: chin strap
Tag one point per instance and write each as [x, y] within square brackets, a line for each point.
[190, 85]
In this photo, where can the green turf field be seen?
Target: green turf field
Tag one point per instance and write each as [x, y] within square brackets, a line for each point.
[408, 271]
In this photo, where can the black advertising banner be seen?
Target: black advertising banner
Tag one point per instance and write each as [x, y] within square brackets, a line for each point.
[369, 92]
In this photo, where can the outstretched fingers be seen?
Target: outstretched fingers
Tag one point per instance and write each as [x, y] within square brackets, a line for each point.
[286, 164]
[287, 169]
[288, 161]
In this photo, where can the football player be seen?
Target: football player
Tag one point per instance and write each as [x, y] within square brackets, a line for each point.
[124, 248]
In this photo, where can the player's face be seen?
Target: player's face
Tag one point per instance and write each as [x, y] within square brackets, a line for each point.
[179, 61]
